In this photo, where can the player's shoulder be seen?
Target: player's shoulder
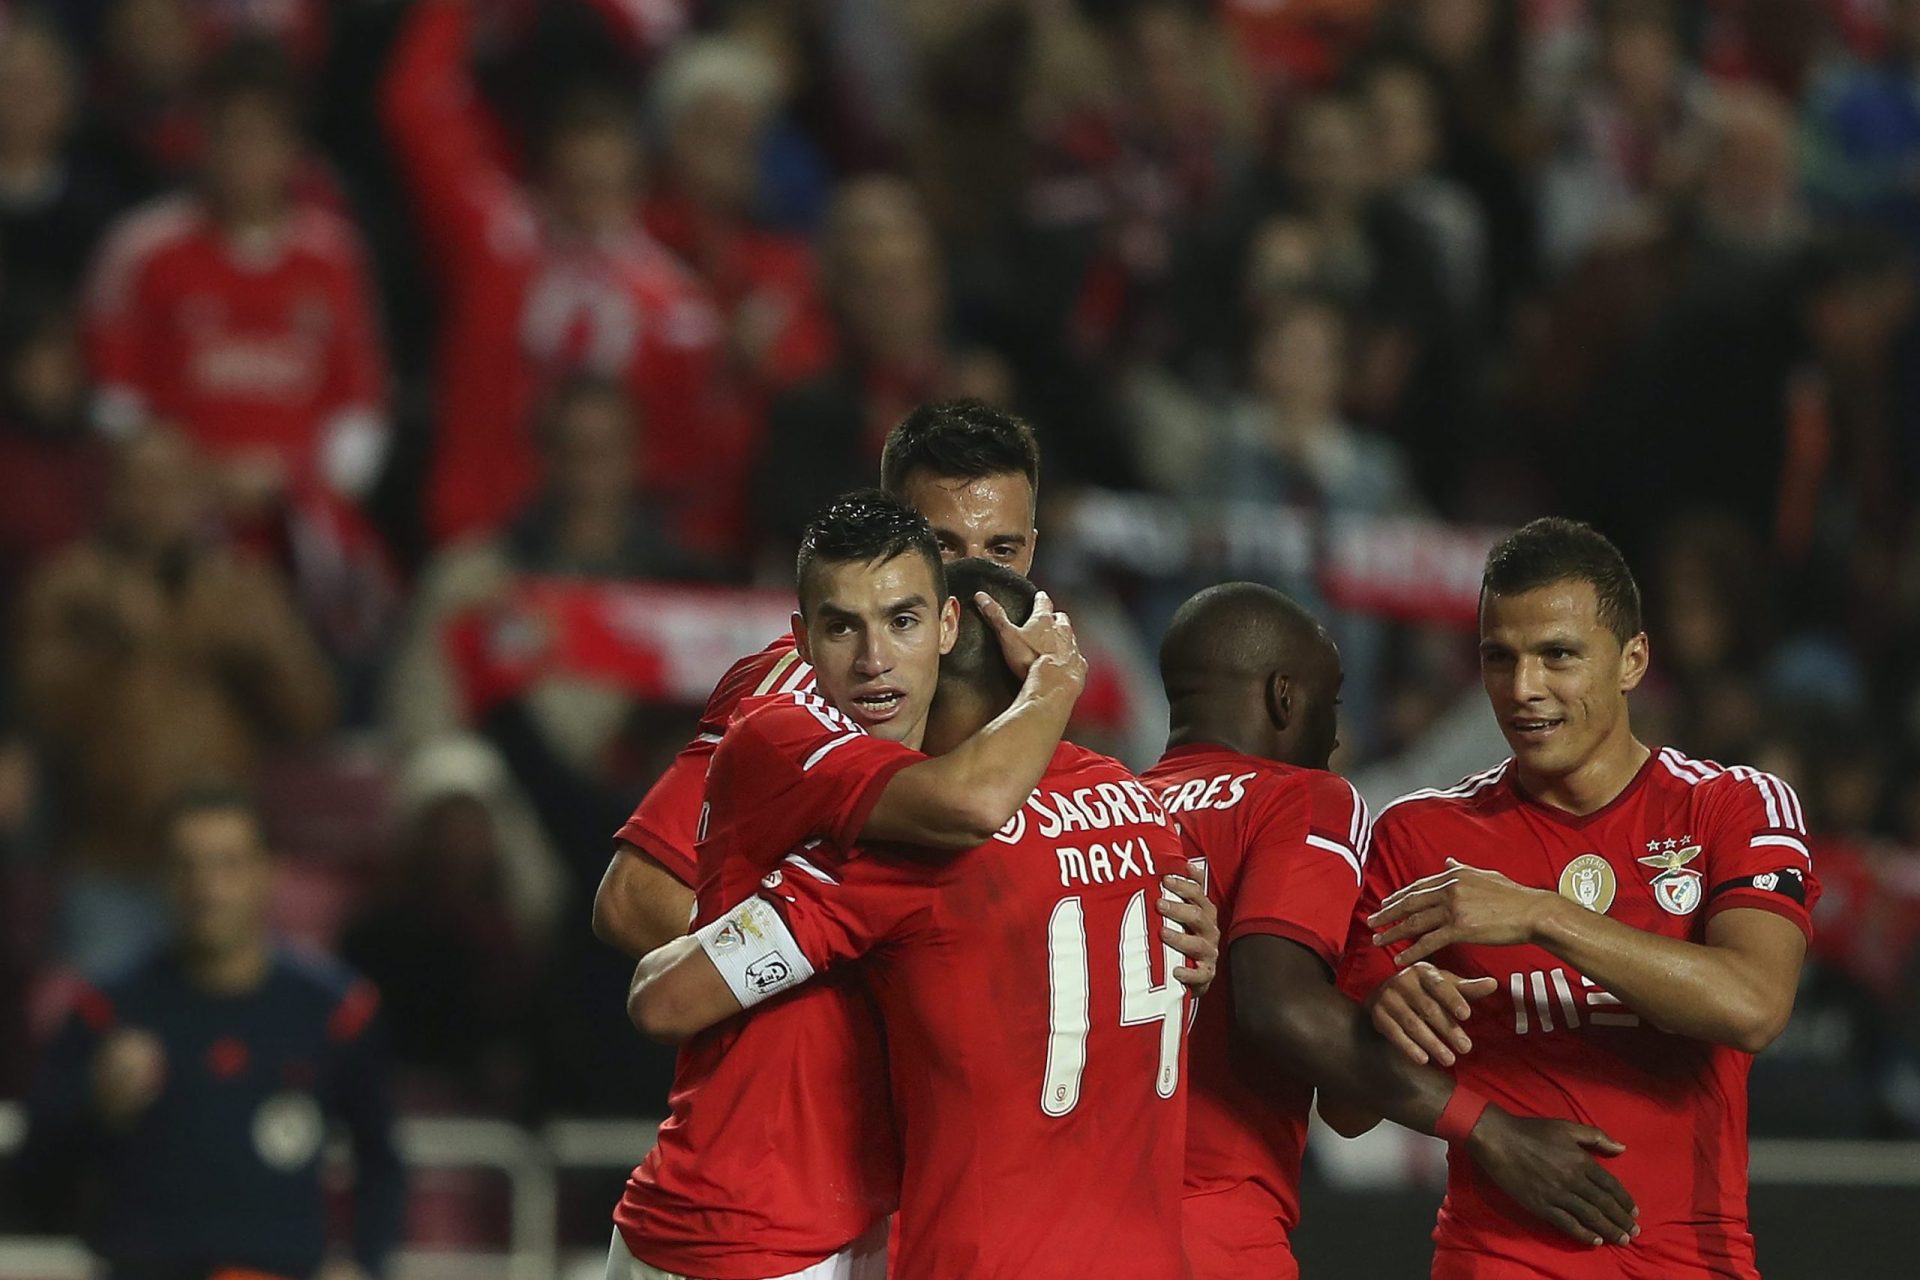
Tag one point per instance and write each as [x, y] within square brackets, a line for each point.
[775, 669]
[1708, 782]
[1477, 794]
[796, 714]
[1071, 760]
[327, 987]
[167, 226]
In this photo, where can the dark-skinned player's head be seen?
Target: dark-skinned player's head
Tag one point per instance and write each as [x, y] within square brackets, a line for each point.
[973, 471]
[219, 872]
[1247, 668]
[875, 616]
[1561, 644]
[976, 684]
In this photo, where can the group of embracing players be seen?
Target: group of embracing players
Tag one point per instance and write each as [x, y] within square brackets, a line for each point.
[962, 999]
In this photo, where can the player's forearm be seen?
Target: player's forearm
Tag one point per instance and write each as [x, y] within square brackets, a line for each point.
[960, 799]
[1703, 991]
[678, 993]
[639, 905]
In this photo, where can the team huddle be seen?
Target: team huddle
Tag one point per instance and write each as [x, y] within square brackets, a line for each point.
[962, 999]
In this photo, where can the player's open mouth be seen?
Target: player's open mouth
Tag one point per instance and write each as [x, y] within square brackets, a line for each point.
[1534, 729]
[880, 706]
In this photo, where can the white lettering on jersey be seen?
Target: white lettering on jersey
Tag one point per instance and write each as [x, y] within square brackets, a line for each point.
[1205, 793]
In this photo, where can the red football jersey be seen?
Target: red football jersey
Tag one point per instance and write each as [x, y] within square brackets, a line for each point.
[1280, 850]
[522, 309]
[1043, 1118]
[245, 346]
[666, 823]
[779, 1149]
[1686, 839]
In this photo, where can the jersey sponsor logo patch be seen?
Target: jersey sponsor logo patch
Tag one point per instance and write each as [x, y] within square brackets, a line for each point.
[1589, 881]
[287, 1131]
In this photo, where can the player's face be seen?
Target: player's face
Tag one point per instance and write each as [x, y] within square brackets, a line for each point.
[874, 633]
[989, 518]
[1557, 678]
[1319, 694]
[221, 878]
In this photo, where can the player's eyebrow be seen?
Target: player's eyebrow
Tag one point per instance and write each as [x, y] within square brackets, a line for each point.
[908, 605]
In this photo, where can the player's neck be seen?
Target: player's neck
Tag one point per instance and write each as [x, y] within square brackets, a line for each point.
[230, 972]
[954, 717]
[1595, 783]
[1200, 734]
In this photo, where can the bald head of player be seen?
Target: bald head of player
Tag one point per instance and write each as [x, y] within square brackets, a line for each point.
[1248, 669]
[976, 684]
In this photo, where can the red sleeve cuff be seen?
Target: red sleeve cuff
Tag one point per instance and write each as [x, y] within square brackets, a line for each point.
[677, 863]
[1761, 900]
[847, 834]
[1292, 931]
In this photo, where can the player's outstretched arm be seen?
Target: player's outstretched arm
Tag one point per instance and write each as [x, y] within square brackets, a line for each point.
[640, 905]
[1735, 989]
[959, 799]
[1286, 1004]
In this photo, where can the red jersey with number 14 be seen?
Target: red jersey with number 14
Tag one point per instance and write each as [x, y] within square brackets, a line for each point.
[1280, 850]
[1035, 1030]
[779, 1149]
[666, 824]
[1683, 842]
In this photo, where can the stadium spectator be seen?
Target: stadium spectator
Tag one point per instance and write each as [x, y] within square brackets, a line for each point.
[715, 100]
[540, 284]
[55, 465]
[55, 198]
[885, 282]
[1862, 129]
[180, 1115]
[152, 656]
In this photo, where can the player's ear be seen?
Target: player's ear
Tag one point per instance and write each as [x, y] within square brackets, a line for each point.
[1279, 697]
[800, 639]
[949, 624]
[1635, 655]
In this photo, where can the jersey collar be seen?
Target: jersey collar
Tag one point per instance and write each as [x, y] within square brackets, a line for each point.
[1578, 820]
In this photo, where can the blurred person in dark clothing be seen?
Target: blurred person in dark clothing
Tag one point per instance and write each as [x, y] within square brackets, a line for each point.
[886, 283]
[53, 468]
[54, 201]
[189, 1100]
[151, 655]
[455, 976]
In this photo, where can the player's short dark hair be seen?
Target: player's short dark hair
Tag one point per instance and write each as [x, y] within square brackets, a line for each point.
[255, 69]
[1554, 549]
[866, 527]
[213, 796]
[959, 440]
[975, 659]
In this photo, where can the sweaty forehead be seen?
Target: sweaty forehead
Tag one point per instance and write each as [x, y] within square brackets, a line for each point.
[866, 586]
[1000, 503]
[1569, 607]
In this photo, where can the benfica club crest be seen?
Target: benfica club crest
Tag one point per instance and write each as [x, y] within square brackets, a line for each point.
[1677, 887]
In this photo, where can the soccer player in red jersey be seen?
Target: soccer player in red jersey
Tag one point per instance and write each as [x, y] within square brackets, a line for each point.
[779, 1156]
[1035, 1041]
[1252, 685]
[1642, 915]
[972, 470]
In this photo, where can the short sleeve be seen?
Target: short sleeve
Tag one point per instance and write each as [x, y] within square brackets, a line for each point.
[808, 917]
[1755, 847]
[666, 824]
[1364, 966]
[1303, 868]
[796, 770]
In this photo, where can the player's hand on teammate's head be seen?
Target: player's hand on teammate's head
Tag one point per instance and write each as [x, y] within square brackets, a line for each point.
[1460, 904]
[1549, 1167]
[1420, 1011]
[1047, 634]
[1192, 928]
[129, 1071]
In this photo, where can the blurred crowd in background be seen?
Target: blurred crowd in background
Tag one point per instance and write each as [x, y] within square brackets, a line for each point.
[358, 359]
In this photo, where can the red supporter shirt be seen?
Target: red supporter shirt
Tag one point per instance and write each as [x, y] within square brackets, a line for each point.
[1043, 1119]
[521, 309]
[666, 824]
[779, 1149]
[245, 344]
[1685, 840]
[1280, 850]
